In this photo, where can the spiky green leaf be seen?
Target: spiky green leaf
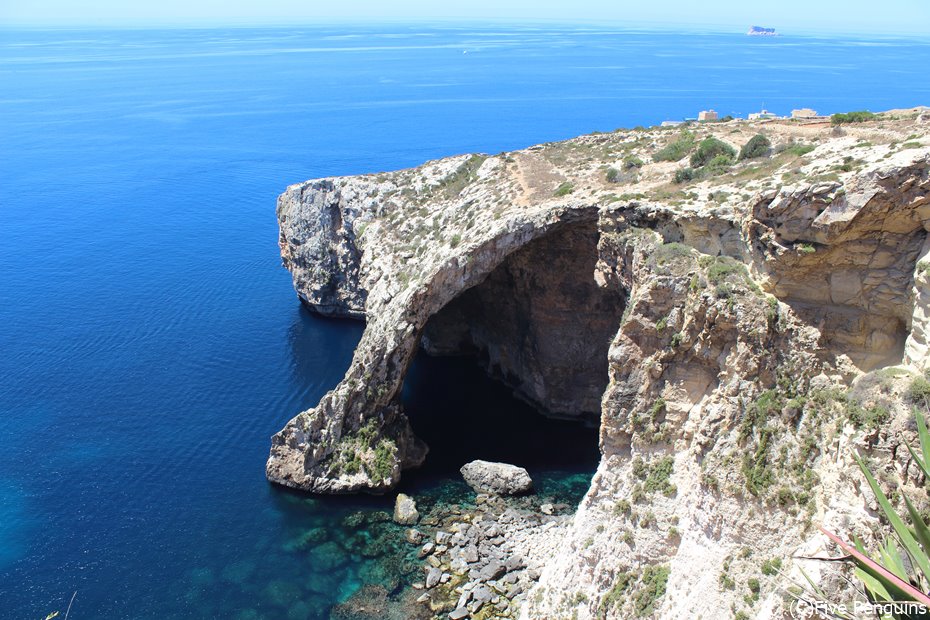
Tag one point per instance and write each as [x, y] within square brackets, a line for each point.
[891, 559]
[920, 464]
[876, 589]
[924, 436]
[904, 534]
[892, 582]
[921, 531]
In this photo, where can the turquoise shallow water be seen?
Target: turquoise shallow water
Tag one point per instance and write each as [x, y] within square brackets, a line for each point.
[151, 343]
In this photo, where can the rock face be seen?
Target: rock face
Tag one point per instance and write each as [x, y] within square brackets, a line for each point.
[522, 322]
[405, 510]
[497, 478]
[707, 328]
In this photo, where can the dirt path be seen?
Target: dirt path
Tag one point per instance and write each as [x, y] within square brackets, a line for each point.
[536, 177]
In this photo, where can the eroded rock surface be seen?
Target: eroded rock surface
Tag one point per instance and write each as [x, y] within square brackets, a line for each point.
[405, 510]
[497, 478]
[708, 327]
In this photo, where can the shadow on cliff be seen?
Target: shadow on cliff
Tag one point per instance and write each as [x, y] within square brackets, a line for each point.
[531, 338]
[462, 414]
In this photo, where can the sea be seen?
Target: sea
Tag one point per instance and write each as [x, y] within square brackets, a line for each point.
[151, 343]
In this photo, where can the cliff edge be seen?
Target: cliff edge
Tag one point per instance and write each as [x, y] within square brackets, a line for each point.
[708, 316]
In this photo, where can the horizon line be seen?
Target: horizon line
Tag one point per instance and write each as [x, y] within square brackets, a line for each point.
[285, 23]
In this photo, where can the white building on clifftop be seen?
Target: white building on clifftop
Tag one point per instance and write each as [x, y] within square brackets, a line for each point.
[760, 116]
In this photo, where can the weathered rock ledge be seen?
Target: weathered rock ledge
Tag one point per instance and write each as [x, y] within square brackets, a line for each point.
[598, 289]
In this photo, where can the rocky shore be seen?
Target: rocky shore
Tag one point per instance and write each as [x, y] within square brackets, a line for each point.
[481, 563]
[473, 559]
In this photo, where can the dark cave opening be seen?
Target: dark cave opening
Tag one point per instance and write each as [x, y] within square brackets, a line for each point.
[513, 369]
[463, 414]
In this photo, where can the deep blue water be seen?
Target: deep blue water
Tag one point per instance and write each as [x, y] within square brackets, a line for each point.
[151, 343]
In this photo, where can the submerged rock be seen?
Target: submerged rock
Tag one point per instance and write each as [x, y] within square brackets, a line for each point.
[497, 478]
[238, 572]
[328, 557]
[413, 536]
[368, 602]
[282, 593]
[308, 539]
[377, 603]
[405, 510]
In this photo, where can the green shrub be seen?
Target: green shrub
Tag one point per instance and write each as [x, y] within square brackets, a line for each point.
[632, 161]
[710, 148]
[867, 417]
[756, 470]
[769, 404]
[719, 164]
[649, 426]
[652, 588]
[918, 391]
[771, 567]
[648, 520]
[467, 172]
[564, 189]
[615, 595]
[669, 256]
[852, 117]
[660, 472]
[726, 582]
[683, 175]
[771, 309]
[613, 175]
[383, 463]
[723, 267]
[675, 151]
[758, 146]
[622, 507]
[800, 149]
[353, 465]
[783, 496]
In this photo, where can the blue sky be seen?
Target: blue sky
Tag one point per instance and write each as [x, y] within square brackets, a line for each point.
[888, 17]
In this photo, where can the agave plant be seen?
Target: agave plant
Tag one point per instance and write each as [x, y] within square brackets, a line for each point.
[900, 570]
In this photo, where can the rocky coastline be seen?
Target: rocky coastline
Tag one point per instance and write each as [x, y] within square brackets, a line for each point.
[475, 558]
[738, 306]
[481, 563]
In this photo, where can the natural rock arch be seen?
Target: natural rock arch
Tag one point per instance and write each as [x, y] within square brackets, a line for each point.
[539, 322]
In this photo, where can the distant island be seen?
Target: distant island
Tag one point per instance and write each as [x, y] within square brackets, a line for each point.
[759, 31]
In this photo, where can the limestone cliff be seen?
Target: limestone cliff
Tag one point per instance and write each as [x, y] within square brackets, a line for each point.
[705, 324]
